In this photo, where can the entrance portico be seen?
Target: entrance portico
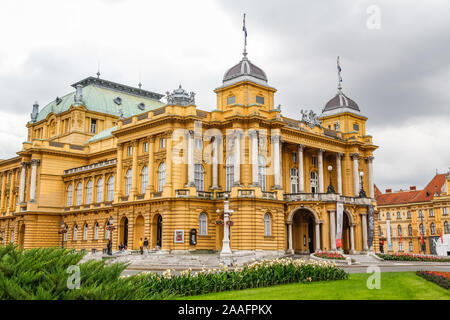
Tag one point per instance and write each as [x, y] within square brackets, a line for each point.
[304, 234]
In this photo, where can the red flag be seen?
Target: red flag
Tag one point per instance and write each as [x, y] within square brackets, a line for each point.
[421, 238]
[401, 237]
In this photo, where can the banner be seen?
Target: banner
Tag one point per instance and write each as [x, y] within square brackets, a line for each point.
[371, 226]
[339, 221]
[388, 234]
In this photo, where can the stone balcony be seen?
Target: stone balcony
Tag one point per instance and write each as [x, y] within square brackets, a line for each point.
[326, 197]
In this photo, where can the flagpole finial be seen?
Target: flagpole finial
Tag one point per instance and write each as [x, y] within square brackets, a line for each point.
[339, 75]
[244, 28]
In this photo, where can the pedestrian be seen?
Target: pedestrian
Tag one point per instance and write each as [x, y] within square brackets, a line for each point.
[109, 246]
[141, 246]
[146, 244]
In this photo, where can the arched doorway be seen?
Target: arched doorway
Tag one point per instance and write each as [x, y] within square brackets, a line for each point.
[22, 236]
[157, 231]
[304, 238]
[138, 231]
[124, 231]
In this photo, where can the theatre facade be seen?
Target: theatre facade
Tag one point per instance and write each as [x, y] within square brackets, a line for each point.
[161, 170]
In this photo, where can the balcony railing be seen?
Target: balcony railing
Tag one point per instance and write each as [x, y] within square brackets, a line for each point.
[246, 193]
[272, 195]
[91, 166]
[182, 193]
[205, 194]
[325, 197]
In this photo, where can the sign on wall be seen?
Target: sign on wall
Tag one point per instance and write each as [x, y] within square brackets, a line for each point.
[179, 236]
[339, 222]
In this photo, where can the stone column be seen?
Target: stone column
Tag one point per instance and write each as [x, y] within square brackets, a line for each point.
[134, 169]
[276, 157]
[22, 182]
[364, 231]
[371, 187]
[3, 199]
[332, 229]
[215, 162]
[119, 170]
[290, 248]
[255, 153]
[237, 158]
[320, 165]
[169, 162]
[301, 175]
[317, 236]
[11, 190]
[352, 238]
[190, 159]
[339, 172]
[355, 157]
[34, 164]
[151, 165]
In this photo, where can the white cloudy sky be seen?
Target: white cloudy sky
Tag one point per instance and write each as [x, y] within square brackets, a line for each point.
[399, 74]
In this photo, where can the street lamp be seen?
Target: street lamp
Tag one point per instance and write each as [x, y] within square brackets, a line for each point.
[421, 231]
[110, 227]
[330, 187]
[226, 250]
[362, 193]
[62, 232]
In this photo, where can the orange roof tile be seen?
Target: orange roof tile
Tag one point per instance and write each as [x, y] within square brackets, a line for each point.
[404, 197]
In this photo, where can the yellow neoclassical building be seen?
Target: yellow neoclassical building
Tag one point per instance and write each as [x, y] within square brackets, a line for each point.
[410, 213]
[162, 171]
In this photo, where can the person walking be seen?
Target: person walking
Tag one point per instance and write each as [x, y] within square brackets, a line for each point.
[109, 246]
[146, 245]
[141, 246]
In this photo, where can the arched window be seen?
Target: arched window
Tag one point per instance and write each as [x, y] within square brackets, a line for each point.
[203, 224]
[399, 230]
[433, 228]
[267, 225]
[294, 180]
[399, 216]
[79, 193]
[262, 172]
[89, 189]
[229, 172]
[408, 215]
[400, 246]
[75, 233]
[314, 182]
[199, 177]
[69, 195]
[128, 181]
[85, 233]
[96, 231]
[110, 188]
[161, 176]
[431, 213]
[422, 229]
[410, 231]
[446, 227]
[388, 216]
[410, 246]
[144, 179]
[100, 190]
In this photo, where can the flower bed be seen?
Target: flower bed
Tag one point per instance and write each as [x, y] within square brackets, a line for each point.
[329, 255]
[257, 274]
[440, 278]
[411, 257]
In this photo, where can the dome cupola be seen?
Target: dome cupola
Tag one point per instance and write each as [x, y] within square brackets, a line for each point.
[244, 70]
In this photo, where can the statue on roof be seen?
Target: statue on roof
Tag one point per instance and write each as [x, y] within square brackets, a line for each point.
[310, 118]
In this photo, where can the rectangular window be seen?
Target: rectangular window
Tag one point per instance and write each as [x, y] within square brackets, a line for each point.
[145, 146]
[444, 211]
[294, 157]
[400, 246]
[231, 100]
[93, 125]
[431, 213]
[314, 160]
[259, 100]
[356, 127]
[130, 151]
[162, 143]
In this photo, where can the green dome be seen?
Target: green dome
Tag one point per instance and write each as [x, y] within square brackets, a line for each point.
[100, 96]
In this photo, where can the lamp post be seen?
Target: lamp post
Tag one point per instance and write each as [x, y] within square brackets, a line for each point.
[110, 227]
[330, 187]
[422, 233]
[362, 193]
[226, 250]
[62, 232]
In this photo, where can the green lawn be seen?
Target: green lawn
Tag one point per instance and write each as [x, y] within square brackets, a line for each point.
[394, 285]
